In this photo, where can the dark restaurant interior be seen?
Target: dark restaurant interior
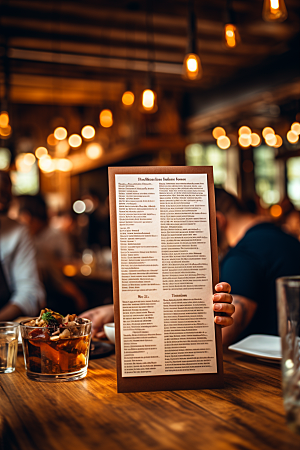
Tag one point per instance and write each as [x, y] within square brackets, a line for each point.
[87, 86]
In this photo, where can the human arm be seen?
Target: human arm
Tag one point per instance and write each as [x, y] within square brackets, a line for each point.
[99, 316]
[10, 312]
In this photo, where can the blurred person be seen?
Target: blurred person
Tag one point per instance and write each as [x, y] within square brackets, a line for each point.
[259, 252]
[98, 233]
[21, 292]
[62, 294]
[222, 304]
[289, 219]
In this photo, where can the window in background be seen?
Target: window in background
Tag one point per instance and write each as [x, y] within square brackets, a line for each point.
[293, 180]
[209, 155]
[267, 176]
[5, 157]
[25, 182]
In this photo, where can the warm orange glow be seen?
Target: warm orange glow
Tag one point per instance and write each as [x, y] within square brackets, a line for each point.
[41, 151]
[274, 11]
[4, 119]
[275, 210]
[292, 137]
[46, 164]
[60, 133]
[51, 140]
[88, 132]
[5, 131]
[62, 148]
[94, 151]
[223, 142]
[244, 131]
[21, 165]
[128, 98]
[296, 127]
[64, 165]
[69, 270]
[148, 99]
[255, 139]
[267, 130]
[271, 140]
[29, 159]
[245, 140]
[231, 35]
[106, 118]
[278, 141]
[218, 132]
[75, 140]
[192, 68]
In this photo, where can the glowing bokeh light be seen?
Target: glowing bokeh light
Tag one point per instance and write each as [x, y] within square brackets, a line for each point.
[255, 139]
[46, 164]
[148, 99]
[69, 270]
[296, 127]
[75, 140]
[79, 206]
[270, 140]
[51, 140]
[40, 152]
[218, 132]
[64, 165]
[223, 142]
[94, 151]
[88, 132]
[86, 270]
[192, 66]
[267, 130]
[106, 118]
[4, 119]
[244, 131]
[29, 159]
[275, 210]
[278, 141]
[245, 140]
[292, 137]
[60, 133]
[128, 98]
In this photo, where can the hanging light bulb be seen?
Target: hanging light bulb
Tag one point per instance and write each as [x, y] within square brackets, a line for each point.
[128, 97]
[231, 34]
[149, 96]
[192, 68]
[274, 11]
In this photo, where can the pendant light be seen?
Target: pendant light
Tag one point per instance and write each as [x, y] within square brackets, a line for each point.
[192, 68]
[231, 33]
[274, 11]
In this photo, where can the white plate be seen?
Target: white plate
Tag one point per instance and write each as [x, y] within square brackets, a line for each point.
[259, 345]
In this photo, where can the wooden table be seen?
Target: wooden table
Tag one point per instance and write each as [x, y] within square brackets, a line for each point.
[89, 414]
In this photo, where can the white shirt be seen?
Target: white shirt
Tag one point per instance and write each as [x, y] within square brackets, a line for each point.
[18, 259]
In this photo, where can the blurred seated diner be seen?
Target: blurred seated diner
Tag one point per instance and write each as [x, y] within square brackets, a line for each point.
[21, 292]
[52, 249]
[258, 253]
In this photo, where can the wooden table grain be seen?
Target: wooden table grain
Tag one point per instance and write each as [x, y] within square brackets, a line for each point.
[247, 414]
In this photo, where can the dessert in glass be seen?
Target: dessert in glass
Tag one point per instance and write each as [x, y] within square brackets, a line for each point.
[56, 348]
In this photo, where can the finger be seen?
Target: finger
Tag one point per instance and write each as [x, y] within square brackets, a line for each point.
[223, 287]
[223, 298]
[224, 321]
[227, 308]
[100, 335]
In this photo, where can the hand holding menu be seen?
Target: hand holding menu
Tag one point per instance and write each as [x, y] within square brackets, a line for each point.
[165, 265]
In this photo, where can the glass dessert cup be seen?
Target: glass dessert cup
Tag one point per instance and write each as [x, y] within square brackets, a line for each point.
[56, 357]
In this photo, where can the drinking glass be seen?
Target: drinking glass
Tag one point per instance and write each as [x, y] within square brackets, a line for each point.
[9, 332]
[62, 357]
[288, 306]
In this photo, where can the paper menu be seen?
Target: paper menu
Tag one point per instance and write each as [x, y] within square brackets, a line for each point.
[162, 259]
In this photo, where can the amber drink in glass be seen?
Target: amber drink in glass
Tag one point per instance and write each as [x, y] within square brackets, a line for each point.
[60, 357]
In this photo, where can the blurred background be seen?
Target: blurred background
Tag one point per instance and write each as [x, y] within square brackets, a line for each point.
[87, 85]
